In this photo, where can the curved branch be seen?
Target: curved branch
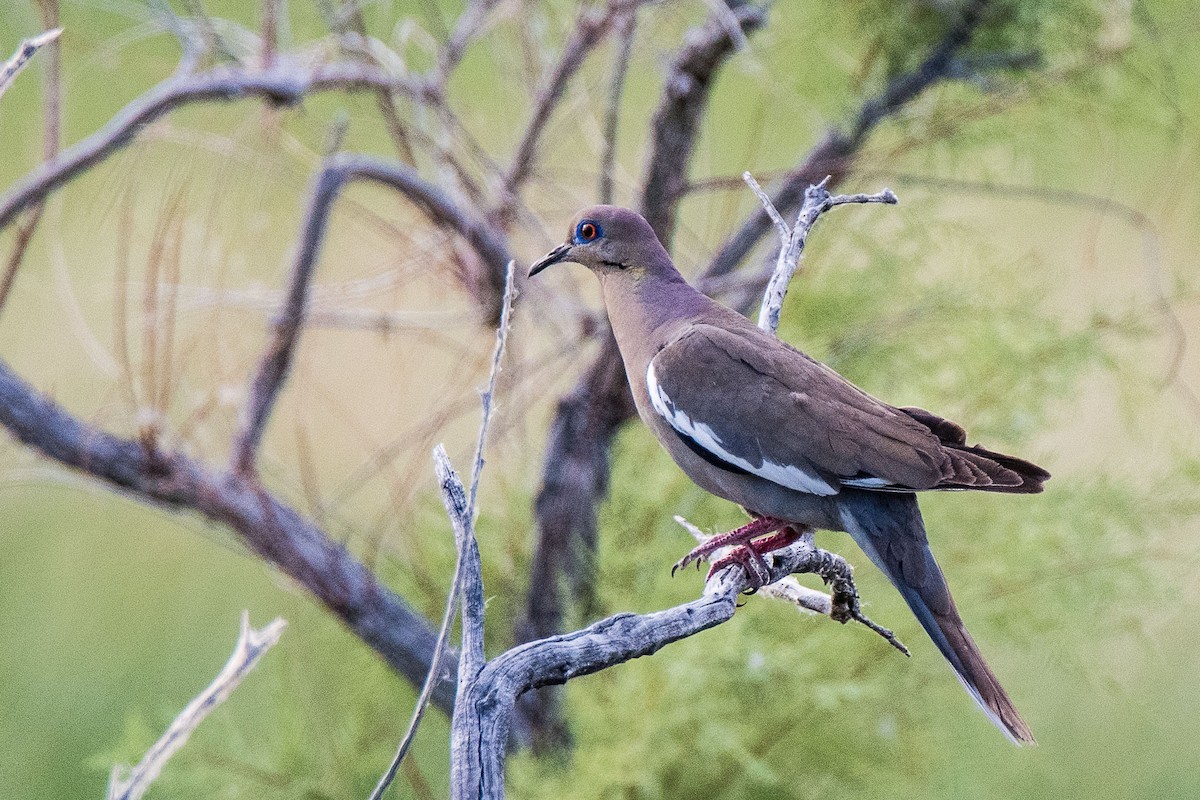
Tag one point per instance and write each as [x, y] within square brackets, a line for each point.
[833, 155]
[283, 86]
[338, 171]
[271, 529]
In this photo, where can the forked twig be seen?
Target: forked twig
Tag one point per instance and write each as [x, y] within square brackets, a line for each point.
[817, 200]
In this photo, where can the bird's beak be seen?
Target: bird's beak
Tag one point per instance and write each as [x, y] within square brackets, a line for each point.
[553, 257]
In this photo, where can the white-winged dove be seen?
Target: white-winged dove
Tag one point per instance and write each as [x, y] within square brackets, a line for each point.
[755, 421]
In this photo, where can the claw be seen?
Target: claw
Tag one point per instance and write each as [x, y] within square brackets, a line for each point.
[749, 559]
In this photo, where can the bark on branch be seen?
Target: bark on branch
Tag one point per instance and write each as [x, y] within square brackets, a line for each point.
[487, 699]
[270, 528]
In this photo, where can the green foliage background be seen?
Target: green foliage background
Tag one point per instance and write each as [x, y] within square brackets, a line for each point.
[1025, 315]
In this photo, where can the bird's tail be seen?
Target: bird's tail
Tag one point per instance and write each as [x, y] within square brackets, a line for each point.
[889, 529]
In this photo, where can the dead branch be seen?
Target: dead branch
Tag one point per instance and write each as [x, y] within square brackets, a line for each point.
[271, 529]
[339, 170]
[487, 700]
[590, 30]
[130, 783]
[282, 86]
[51, 136]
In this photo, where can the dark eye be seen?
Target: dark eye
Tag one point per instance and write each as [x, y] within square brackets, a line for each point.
[587, 231]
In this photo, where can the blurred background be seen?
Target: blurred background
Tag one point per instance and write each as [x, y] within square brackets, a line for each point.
[1036, 283]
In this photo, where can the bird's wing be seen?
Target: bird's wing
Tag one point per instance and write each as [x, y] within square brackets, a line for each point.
[757, 404]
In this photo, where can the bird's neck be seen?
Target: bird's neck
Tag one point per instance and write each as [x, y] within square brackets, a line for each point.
[647, 308]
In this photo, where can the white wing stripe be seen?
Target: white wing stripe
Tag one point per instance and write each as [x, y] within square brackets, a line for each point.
[787, 475]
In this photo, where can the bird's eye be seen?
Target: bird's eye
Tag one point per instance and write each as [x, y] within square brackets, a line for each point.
[587, 231]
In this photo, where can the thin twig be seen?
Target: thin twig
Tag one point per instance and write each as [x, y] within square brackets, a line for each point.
[590, 30]
[51, 136]
[461, 508]
[130, 783]
[26, 50]
[835, 153]
[468, 26]
[626, 26]
[817, 200]
[487, 397]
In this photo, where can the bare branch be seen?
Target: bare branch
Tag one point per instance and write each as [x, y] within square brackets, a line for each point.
[461, 508]
[484, 712]
[339, 170]
[833, 155]
[383, 98]
[128, 783]
[817, 200]
[284, 86]
[677, 120]
[51, 135]
[26, 50]
[271, 529]
[626, 26]
[468, 26]
[590, 29]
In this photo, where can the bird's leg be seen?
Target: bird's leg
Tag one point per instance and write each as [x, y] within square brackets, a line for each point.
[756, 527]
[750, 555]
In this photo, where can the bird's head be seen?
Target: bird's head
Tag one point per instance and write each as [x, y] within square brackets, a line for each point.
[609, 239]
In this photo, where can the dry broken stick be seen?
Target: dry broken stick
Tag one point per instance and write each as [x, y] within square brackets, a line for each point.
[130, 783]
[26, 50]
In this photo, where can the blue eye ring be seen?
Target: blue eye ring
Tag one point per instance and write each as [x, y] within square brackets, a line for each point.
[587, 231]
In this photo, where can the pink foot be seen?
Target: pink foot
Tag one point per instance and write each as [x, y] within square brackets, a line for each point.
[742, 535]
[750, 556]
